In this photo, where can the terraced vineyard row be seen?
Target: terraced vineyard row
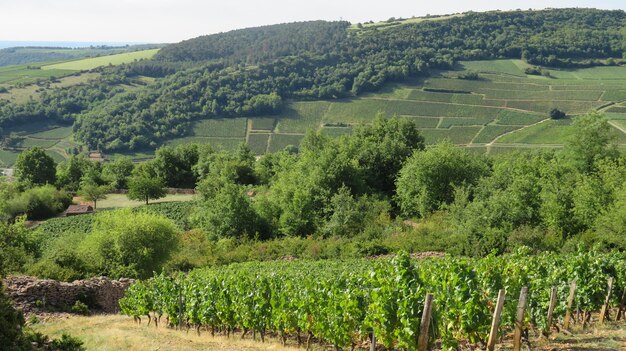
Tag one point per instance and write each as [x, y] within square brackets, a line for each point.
[342, 303]
[497, 112]
[476, 113]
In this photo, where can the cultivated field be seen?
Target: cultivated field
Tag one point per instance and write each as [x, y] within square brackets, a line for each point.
[94, 62]
[121, 201]
[503, 110]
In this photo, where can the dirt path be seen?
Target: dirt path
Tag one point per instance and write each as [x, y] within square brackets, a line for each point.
[515, 131]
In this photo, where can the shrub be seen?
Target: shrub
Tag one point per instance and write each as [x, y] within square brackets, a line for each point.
[39, 203]
[80, 308]
[555, 113]
[129, 244]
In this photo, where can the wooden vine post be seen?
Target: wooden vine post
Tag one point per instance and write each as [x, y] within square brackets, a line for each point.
[422, 341]
[551, 310]
[495, 323]
[519, 319]
[621, 310]
[607, 300]
[373, 341]
[570, 303]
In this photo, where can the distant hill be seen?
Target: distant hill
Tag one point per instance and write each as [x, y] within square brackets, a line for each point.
[258, 71]
[21, 55]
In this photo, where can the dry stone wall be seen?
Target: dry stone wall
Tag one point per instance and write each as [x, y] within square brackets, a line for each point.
[33, 295]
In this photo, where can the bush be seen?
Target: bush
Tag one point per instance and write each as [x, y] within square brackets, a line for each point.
[67, 343]
[80, 308]
[11, 326]
[129, 244]
[39, 203]
[555, 113]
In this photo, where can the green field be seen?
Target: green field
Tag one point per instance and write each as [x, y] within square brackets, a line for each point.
[121, 201]
[258, 142]
[25, 74]
[95, 62]
[221, 128]
[501, 111]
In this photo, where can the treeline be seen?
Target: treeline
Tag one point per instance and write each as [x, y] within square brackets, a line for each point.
[374, 192]
[252, 71]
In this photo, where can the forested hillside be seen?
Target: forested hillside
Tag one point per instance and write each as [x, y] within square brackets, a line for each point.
[254, 71]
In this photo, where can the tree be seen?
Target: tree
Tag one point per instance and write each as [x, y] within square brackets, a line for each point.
[428, 179]
[590, 140]
[144, 189]
[70, 173]
[381, 149]
[228, 214]
[125, 243]
[34, 167]
[555, 113]
[174, 165]
[93, 192]
[118, 171]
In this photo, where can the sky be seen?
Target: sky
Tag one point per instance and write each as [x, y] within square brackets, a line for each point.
[166, 21]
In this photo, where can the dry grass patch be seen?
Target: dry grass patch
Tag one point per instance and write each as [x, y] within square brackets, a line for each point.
[120, 333]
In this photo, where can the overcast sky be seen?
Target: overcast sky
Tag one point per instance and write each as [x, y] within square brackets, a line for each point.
[159, 21]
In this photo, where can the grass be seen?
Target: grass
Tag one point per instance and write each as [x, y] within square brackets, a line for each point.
[121, 201]
[490, 132]
[299, 117]
[42, 143]
[95, 62]
[548, 132]
[222, 127]
[53, 134]
[457, 135]
[258, 142]
[120, 333]
[279, 142]
[26, 74]
[266, 124]
[217, 143]
[7, 157]
[512, 67]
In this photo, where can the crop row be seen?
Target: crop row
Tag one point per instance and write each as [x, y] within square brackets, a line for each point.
[342, 303]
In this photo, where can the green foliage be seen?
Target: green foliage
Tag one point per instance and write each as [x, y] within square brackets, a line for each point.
[11, 325]
[145, 188]
[226, 213]
[341, 302]
[128, 244]
[174, 165]
[70, 173]
[555, 113]
[16, 248]
[34, 167]
[428, 180]
[37, 203]
[118, 171]
[92, 192]
[80, 308]
[589, 141]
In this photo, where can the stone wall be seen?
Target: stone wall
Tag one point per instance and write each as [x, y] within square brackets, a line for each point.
[33, 295]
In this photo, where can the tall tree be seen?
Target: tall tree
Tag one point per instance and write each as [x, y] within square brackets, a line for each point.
[93, 192]
[34, 167]
[143, 188]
